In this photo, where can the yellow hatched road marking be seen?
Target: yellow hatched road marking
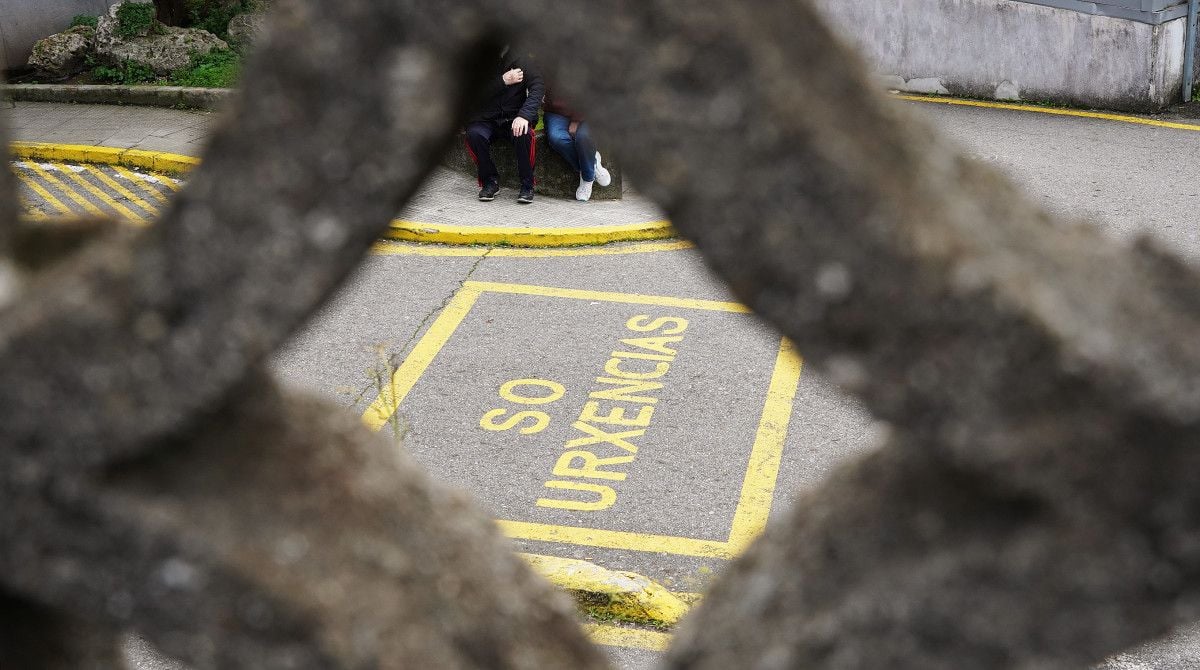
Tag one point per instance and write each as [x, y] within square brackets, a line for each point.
[141, 182]
[67, 190]
[168, 182]
[112, 183]
[30, 211]
[41, 191]
[99, 193]
[758, 489]
[636, 638]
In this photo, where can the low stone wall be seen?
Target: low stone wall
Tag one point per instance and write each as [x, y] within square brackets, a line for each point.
[1006, 50]
[146, 96]
[551, 173]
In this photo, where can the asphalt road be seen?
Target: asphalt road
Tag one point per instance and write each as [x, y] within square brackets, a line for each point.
[679, 497]
[614, 405]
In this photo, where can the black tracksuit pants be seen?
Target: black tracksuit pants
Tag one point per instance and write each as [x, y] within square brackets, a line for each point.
[481, 134]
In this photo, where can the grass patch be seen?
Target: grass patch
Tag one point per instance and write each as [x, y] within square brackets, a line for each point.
[85, 20]
[134, 19]
[216, 69]
[126, 73]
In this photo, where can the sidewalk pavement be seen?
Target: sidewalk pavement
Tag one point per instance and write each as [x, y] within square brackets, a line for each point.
[446, 198]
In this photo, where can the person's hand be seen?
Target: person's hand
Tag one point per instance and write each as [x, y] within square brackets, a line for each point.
[572, 127]
[513, 76]
[520, 126]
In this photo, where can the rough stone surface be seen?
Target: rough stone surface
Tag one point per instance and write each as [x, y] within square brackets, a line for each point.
[1032, 504]
[63, 54]
[244, 30]
[163, 49]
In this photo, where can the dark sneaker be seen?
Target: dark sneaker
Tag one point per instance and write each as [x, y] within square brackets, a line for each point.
[488, 192]
[526, 196]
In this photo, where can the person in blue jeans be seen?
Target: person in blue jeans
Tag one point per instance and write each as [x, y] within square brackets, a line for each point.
[570, 137]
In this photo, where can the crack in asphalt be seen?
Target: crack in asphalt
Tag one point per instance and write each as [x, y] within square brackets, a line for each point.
[393, 360]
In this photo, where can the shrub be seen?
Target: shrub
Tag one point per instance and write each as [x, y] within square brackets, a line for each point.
[134, 19]
[85, 20]
[213, 15]
[126, 73]
[215, 69]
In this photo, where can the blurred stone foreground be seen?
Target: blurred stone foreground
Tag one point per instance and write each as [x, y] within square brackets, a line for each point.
[1032, 504]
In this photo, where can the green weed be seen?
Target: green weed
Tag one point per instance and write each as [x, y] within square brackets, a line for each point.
[215, 69]
[126, 73]
[134, 19]
[85, 20]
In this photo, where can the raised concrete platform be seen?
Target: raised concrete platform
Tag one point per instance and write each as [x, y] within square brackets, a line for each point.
[1084, 55]
[552, 175]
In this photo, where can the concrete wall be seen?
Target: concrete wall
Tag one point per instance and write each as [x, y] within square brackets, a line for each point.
[1009, 50]
[24, 22]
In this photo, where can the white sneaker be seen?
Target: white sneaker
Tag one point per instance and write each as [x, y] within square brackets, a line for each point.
[584, 192]
[602, 176]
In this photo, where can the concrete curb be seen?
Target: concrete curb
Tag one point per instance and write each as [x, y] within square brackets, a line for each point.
[407, 231]
[609, 594]
[156, 161]
[439, 233]
[148, 96]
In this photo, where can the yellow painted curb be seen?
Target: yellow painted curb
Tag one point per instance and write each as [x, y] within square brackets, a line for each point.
[625, 596]
[440, 233]
[401, 230]
[1055, 111]
[156, 161]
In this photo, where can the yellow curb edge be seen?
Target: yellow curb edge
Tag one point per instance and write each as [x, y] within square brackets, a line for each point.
[441, 233]
[399, 230]
[157, 161]
[1053, 111]
[611, 594]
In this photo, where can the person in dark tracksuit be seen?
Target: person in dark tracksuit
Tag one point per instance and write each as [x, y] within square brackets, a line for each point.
[510, 111]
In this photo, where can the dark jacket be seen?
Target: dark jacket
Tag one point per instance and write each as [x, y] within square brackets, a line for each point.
[504, 103]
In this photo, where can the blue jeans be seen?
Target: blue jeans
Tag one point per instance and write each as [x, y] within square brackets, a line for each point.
[578, 151]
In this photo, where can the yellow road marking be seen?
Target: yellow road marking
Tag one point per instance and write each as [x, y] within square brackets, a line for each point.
[387, 248]
[635, 638]
[604, 296]
[758, 489]
[67, 190]
[168, 182]
[754, 502]
[112, 183]
[616, 539]
[99, 193]
[30, 210]
[398, 387]
[41, 191]
[142, 184]
[1123, 118]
